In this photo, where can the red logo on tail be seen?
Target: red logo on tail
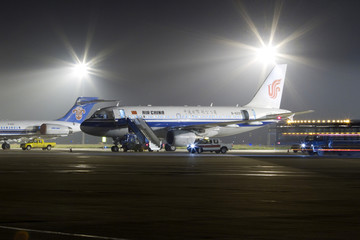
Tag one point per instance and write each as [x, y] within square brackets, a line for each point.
[274, 88]
[79, 111]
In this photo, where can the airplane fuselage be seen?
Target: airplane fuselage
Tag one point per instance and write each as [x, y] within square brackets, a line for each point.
[163, 118]
[19, 129]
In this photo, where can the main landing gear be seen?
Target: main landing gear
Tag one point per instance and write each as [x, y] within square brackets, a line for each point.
[169, 148]
[129, 142]
[5, 146]
[115, 148]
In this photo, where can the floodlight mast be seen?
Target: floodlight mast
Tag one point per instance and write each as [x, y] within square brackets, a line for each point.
[81, 70]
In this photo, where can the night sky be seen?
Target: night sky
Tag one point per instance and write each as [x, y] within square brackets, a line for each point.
[177, 53]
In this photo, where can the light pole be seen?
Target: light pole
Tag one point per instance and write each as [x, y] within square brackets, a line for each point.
[81, 71]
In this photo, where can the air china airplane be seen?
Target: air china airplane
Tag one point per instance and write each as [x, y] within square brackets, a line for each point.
[70, 123]
[180, 126]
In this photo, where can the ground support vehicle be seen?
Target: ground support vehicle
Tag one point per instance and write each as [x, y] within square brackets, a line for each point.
[298, 147]
[37, 143]
[332, 143]
[131, 142]
[210, 145]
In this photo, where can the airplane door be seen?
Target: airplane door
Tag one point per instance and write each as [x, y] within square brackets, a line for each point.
[119, 113]
[254, 114]
[245, 114]
[178, 116]
[122, 113]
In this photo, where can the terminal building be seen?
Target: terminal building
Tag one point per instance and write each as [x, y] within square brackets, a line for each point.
[294, 131]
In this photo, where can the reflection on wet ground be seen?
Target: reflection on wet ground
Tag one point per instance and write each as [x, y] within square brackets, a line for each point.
[178, 196]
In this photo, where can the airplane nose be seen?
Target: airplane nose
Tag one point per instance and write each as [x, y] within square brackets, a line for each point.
[108, 128]
[87, 127]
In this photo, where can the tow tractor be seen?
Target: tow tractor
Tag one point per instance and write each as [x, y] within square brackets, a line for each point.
[131, 142]
[337, 143]
[210, 145]
[139, 137]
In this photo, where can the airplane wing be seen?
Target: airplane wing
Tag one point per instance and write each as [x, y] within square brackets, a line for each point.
[96, 101]
[24, 137]
[17, 138]
[287, 115]
[273, 117]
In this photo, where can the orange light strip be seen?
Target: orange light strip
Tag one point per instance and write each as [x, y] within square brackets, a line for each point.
[347, 121]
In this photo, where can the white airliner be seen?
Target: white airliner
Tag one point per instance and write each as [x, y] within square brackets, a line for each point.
[180, 126]
[70, 123]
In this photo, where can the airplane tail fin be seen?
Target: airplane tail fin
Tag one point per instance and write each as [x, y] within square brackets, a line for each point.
[80, 110]
[270, 93]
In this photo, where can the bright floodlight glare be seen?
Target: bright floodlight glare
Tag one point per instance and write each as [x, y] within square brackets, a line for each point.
[267, 54]
[81, 70]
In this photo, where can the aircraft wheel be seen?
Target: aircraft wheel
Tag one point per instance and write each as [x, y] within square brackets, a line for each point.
[138, 148]
[5, 146]
[167, 147]
[114, 148]
[311, 152]
[170, 148]
[320, 152]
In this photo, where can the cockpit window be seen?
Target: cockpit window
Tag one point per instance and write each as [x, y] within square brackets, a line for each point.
[103, 115]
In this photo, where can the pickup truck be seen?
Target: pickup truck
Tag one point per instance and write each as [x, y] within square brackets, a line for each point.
[37, 143]
[210, 145]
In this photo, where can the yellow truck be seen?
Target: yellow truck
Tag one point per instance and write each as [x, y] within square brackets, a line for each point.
[37, 143]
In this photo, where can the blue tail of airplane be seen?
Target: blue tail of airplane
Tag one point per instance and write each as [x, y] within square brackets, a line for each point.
[80, 110]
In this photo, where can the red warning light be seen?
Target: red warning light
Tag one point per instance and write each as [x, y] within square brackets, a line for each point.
[279, 118]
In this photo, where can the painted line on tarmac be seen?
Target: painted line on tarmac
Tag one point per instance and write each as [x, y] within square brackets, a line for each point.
[61, 233]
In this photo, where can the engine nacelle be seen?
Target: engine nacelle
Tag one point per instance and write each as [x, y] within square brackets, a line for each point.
[54, 129]
[180, 138]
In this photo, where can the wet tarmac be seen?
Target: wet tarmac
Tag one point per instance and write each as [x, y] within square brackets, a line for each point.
[104, 195]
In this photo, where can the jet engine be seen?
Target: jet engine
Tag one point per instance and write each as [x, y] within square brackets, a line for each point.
[54, 129]
[180, 138]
